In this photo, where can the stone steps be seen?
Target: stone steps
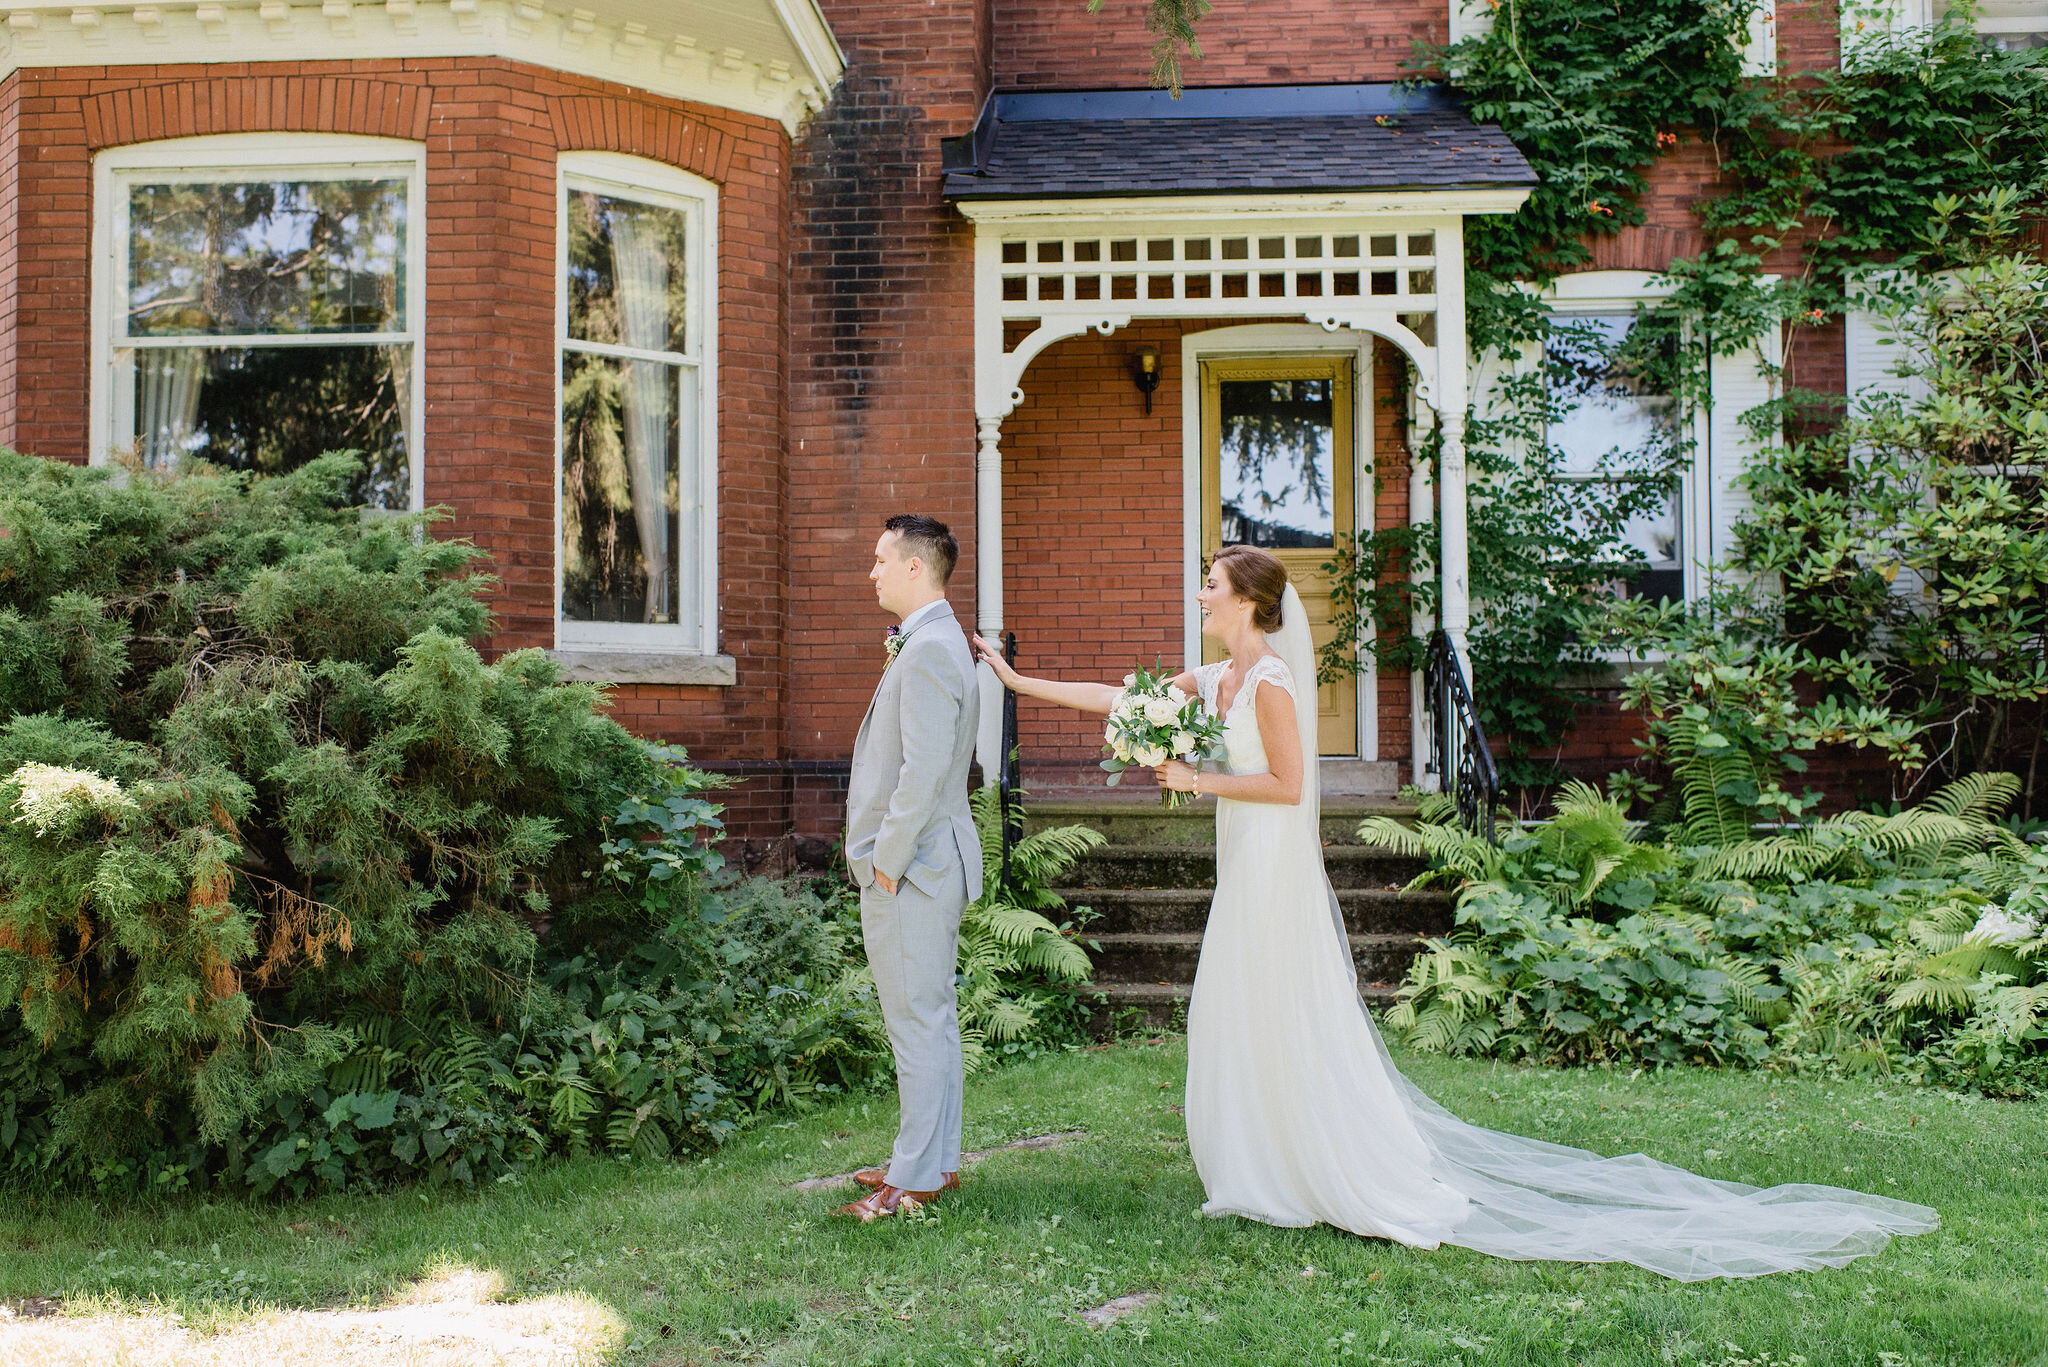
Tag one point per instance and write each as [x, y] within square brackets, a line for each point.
[1354, 867]
[1150, 886]
[1367, 911]
[1169, 956]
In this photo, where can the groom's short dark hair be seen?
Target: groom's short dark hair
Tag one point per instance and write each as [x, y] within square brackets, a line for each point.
[927, 538]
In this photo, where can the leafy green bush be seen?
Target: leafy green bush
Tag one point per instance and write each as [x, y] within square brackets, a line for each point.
[1916, 941]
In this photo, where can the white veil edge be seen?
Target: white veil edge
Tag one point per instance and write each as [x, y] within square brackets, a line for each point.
[1531, 1199]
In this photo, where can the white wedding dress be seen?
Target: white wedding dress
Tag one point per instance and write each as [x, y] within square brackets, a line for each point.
[1297, 1116]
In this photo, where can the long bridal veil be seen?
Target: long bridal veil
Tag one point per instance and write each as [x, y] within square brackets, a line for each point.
[1529, 1199]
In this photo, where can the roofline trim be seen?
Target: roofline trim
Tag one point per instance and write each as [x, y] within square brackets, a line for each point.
[1199, 206]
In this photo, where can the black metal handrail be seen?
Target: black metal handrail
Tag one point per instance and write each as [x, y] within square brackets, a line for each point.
[1458, 752]
[1009, 775]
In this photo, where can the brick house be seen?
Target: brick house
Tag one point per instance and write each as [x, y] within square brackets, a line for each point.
[671, 305]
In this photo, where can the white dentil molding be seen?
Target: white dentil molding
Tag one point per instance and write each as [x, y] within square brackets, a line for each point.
[772, 58]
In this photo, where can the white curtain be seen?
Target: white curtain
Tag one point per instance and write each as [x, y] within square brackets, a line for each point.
[640, 272]
[167, 385]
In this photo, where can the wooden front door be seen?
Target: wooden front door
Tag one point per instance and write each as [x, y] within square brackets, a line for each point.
[1278, 468]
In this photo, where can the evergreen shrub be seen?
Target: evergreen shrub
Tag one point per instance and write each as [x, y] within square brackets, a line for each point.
[298, 890]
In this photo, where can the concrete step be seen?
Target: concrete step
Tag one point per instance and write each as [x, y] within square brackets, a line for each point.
[1118, 865]
[1367, 911]
[1122, 1007]
[1155, 957]
[1138, 819]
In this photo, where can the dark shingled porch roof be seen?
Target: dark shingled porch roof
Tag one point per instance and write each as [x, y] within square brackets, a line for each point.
[1235, 140]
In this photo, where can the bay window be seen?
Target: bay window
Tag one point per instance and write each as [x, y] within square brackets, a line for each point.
[257, 303]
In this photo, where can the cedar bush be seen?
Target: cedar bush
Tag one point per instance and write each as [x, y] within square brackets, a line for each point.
[320, 801]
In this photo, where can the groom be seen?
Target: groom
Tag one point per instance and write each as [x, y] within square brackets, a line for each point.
[911, 842]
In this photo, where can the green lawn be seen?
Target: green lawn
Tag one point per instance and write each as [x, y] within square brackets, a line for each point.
[721, 1260]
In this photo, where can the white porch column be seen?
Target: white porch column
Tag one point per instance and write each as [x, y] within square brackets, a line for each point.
[1451, 362]
[988, 588]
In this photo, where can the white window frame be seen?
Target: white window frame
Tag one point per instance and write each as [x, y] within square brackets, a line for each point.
[1866, 21]
[1592, 293]
[232, 157]
[651, 182]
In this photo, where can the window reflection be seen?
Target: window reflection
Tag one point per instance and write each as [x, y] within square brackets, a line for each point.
[224, 280]
[1275, 462]
[1615, 422]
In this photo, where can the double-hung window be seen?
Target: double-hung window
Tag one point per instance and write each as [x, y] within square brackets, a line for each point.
[637, 491]
[257, 303]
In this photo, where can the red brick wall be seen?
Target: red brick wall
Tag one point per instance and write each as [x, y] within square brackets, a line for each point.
[1391, 460]
[881, 356]
[10, 249]
[492, 130]
[1092, 570]
[1270, 42]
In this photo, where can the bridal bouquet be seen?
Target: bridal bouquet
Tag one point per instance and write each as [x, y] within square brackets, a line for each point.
[1153, 722]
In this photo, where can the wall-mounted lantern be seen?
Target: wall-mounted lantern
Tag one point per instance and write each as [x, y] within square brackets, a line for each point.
[1145, 373]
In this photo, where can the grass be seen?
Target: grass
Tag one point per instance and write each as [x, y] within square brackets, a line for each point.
[720, 1260]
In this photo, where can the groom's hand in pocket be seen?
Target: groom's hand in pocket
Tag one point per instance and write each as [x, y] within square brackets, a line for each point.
[885, 882]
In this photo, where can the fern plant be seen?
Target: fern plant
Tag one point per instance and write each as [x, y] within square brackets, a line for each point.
[1011, 952]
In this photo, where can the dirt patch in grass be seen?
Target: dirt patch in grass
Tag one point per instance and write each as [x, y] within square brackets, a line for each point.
[1103, 1316]
[451, 1321]
[1036, 1141]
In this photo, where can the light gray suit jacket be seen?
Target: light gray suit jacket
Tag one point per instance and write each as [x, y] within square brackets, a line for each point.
[906, 798]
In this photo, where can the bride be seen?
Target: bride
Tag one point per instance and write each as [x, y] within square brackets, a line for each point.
[1296, 1114]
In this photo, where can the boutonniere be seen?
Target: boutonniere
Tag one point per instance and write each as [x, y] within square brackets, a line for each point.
[892, 644]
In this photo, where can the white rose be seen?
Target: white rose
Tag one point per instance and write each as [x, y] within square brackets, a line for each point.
[1999, 927]
[1109, 734]
[1151, 756]
[1121, 748]
[1161, 712]
[1183, 744]
[1130, 680]
[1180, 699]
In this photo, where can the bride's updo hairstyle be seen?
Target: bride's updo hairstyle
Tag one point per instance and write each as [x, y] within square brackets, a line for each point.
[1257, 576]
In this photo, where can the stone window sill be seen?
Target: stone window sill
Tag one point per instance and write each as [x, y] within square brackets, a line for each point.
[653, 667]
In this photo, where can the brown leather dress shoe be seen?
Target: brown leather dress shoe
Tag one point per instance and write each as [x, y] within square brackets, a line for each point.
[871, 1178]
[885, 1201]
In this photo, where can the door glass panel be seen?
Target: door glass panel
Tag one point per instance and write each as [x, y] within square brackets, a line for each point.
[1275, 463]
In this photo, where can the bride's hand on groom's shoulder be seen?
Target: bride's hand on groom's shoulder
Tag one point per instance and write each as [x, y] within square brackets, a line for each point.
[1176, 776]
[993, 658]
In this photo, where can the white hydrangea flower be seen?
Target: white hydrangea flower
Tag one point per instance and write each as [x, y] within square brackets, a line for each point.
[51, 795]
[1999, 927]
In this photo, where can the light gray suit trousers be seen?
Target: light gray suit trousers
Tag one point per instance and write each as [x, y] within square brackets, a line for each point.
[907, 816]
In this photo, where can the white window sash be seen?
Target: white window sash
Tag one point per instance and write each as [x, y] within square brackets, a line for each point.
[695, 630]
[227, 159]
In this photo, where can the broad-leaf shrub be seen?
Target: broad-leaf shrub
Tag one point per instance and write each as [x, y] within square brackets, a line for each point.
[1915, 942]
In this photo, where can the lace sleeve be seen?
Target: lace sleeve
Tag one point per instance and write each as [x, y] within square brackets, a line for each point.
[1273, 670]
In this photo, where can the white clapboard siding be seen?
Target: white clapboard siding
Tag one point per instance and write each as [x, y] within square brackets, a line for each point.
[1739, 383]
[1873, 355]
[1470, 19]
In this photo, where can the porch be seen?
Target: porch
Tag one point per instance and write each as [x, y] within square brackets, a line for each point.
[1211, 320]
